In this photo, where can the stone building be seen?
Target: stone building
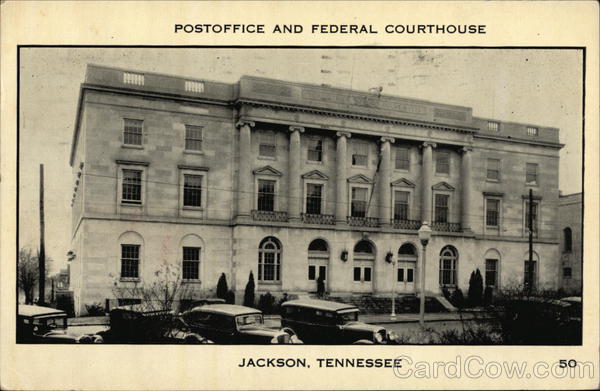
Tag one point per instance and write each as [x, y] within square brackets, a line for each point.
[570, 216]
[295, 181]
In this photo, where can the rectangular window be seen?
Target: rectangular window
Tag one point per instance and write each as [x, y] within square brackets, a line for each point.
[266, 195]
[491, 272]
[567, 272]
[357, 274]
[402, 159]
[493, 126]
[315, 150]
[130, 260]
[359, 202]
[132, 131]
[193, 138]
[532, 131]
[311, 272]
[410, 275]
[447, 271]
[313, 198]
[493, 169]
[323, 272]
[492, 212]
[132, 187]
[442, 163]
[531, 173]
[192, 190]
[191, 263]
[400, 275]
[360, 154]
[367, 273]
[441, 208]
[534, 214]
[401, 205]
[267, 146]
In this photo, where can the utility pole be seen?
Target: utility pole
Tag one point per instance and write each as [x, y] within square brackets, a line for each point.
[530, 264]
[42, 256]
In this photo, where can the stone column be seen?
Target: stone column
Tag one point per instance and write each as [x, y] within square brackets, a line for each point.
[426, 174]
[245, 192]
[341, 202]
[294, 163]
[385, 207]
[465, 177]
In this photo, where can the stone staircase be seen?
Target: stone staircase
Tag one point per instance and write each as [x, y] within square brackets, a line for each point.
[383, 305]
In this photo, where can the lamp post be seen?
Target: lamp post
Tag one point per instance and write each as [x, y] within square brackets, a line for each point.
[393, 314]
[424, 236]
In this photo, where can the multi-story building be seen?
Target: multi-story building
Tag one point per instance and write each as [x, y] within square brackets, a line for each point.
[295, 181]
[570, 216]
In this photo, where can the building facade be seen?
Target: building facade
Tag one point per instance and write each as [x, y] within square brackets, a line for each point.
[295, 181]
[570, 216]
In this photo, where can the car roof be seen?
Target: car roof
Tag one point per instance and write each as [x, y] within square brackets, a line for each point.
[320, 304]
[36, 310]
[229, 309]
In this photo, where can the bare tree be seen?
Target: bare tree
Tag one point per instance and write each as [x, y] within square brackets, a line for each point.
[28, 273]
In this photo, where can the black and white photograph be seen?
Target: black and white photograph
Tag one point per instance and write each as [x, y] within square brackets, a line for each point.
[300, 195]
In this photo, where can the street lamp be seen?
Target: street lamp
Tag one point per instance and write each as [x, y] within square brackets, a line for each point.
[424, 236]
[390, 259]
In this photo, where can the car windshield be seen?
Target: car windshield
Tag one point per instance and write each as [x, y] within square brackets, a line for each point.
[45, 324]
[249, 320]
[345, 317]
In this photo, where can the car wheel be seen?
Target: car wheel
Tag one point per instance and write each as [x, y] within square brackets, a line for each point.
[194, 339]
[363, 342]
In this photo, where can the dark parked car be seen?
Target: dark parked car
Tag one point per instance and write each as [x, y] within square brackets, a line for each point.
[36, 324]
[330, 322]
[234, 324]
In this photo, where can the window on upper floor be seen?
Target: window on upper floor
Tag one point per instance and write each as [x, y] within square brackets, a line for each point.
[442, 162]
[132, 131]
[534, 215]
[314, 200]
[531, 173]
[493, 170]
[493, 126]
[402, 158]
[492, 213]
[568, 240]
[131, 187]
[358, 204]
[532, 131]
[192, 190]
[360, 153]
[567, 272]
[441, 208]
[401, 205]
[315, 149]
[193, 138]
[266, 195]
[267, 145]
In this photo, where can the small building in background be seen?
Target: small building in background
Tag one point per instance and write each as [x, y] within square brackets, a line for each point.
[570, 217]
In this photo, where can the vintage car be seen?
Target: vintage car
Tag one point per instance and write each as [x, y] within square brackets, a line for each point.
[234, 324]
[330, 322]
[36, 324]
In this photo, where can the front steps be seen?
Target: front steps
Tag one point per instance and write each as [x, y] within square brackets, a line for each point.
[404, 303]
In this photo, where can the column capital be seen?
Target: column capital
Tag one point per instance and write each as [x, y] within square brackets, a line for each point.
[428, 144]
[387, 139]
[243, 122]
[343, 134]
[466, 148]
[294, 128]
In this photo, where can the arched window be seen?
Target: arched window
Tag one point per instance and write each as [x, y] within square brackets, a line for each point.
[364, 255]
[568, 240]
[448, 265]
[492, 268]
[269, 260]
[130, 251]
[407, 260]
[318, 258]
[191, 251]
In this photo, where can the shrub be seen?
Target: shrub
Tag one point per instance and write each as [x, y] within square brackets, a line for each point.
[488, 295]
[249, 292]
[222, 287]
[95, 309]
[475, 289]
[266, 303]
[446, 293]
[457, 299]
[230, 297]
[284, 298]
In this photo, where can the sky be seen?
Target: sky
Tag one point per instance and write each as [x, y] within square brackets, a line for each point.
[542, 87]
